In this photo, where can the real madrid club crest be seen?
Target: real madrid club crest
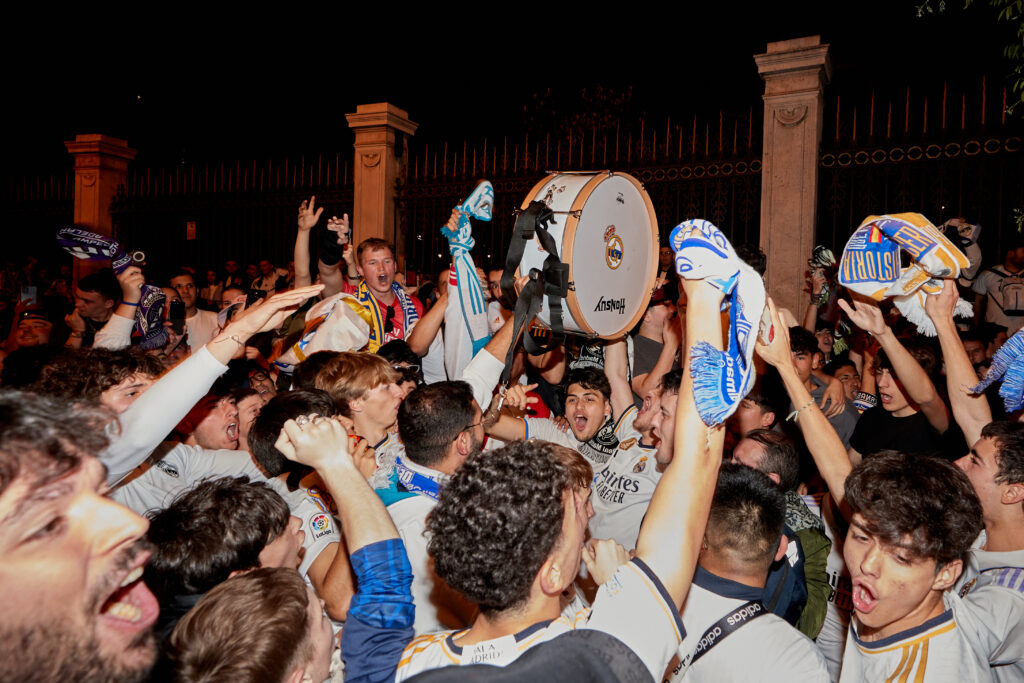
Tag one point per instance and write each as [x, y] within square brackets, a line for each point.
[640, 465]
[612, 248]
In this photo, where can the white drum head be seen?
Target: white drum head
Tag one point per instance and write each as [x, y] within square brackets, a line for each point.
[608, 235]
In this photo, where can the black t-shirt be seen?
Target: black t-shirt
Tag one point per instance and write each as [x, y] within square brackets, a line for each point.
[878, 430]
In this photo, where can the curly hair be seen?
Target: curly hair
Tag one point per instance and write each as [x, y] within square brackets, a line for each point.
[87, 374]
[272, 604]
[500, 505]
[929, 500]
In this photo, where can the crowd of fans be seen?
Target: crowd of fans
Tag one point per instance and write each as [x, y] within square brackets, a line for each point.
[229, 507]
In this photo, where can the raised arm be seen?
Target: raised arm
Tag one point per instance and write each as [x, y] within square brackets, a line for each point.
[117, 333]
[380, 619]
[146, 422]
[670, 538]
[427, 327]
[671, 339]
[336, 262]
[616, 369]
[818, 282]
[971, 411]
[308, 217]
[867, 316]
[822, 441]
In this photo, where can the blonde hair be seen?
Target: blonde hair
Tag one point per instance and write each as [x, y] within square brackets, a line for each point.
[351, 375]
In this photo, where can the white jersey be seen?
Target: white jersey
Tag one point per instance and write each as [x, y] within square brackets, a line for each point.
[992, 589]
[624, 486]
[543, 428]
[944, 648]
[632, 606]
[173, 469]
[831, 639]
[430, 595]
[765, 648]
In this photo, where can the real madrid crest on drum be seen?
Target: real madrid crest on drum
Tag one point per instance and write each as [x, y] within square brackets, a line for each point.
[613, 248]
[608, 236]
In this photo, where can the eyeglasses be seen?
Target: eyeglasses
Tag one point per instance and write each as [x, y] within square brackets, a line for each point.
[468, 427]
[388, 325]
[259, 376]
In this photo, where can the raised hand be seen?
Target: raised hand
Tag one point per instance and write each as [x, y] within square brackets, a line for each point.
[309, 214]
[940, 307]
[131, 280]
[866, 315]
[314, 440]
[340, 226]
[270, 313]
[603, 557]
[777, 351]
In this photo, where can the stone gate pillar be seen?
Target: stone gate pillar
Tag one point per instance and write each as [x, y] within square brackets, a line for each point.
[380, 131]
[795, 73]
[101, 164]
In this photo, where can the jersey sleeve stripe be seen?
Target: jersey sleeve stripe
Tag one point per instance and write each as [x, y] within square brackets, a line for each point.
[655, 585]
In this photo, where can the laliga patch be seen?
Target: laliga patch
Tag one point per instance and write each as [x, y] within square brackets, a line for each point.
[320, 526]
[627, 444]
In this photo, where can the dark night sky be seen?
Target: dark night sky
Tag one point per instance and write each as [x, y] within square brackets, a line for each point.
[262, 85]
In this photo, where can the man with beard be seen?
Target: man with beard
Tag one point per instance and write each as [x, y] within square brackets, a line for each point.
[75, 607]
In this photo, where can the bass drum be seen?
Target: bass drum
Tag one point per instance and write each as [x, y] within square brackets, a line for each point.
[607, 234]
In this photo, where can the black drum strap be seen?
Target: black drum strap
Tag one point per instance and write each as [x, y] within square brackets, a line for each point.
[552, 281]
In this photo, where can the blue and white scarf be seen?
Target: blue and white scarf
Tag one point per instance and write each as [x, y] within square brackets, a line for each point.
[466, 327]
[417, 482]
[1008, 364]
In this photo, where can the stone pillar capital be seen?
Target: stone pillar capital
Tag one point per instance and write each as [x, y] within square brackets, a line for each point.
[100, 151]
[788, 64]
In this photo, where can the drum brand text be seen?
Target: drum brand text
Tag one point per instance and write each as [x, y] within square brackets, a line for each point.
[617, 305]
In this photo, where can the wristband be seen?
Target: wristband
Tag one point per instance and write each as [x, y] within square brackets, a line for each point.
[130, 303]
[795, 415]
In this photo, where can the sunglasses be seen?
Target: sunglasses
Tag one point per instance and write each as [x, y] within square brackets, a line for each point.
[408, 373]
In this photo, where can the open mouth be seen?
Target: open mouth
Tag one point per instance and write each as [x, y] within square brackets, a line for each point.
[864, 599]
[232, 431]
[580, 423]
[131, 607]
